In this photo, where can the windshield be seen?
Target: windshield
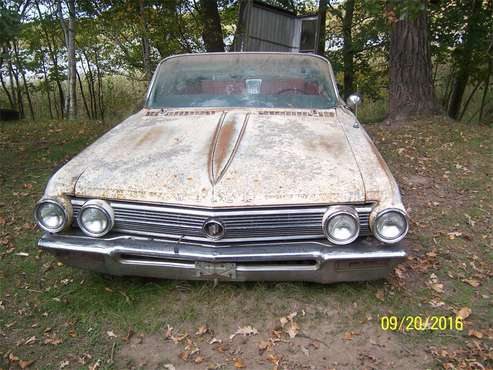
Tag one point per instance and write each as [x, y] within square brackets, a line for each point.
[243, 80]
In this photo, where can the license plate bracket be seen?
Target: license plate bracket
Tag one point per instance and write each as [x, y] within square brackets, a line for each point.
[215, 270]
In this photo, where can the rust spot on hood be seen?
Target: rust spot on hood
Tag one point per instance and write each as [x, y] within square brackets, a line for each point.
[227, 138]
[150, 136]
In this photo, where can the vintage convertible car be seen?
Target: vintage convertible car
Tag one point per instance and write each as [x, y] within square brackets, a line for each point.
[241, 166]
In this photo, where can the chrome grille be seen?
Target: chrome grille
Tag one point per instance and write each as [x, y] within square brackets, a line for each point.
[241, 224]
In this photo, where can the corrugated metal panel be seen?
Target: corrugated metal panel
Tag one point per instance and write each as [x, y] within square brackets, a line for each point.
[262, 27]
[269, 31]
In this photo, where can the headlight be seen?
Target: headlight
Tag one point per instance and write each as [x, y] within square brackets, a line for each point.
[96, 218]
[390, 225]
[341, 224]
[53, 214]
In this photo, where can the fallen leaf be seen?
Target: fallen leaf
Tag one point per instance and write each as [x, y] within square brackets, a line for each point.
[454, 234]
[111, 334]
[198, 360]
[472, 282]
[380, 294]
[239, 364]
[184, 355]
[305, 351]
[96, 365]
[55, 341]
[23, 364]
[475, 333]
[215, 340]
[263, 345]
[30, 340]
[348, 335]
[64, 364]
[464, 312]
[129, 335]
[202, 330]
[169, 332]
[293, 329]
[169, 367]
[245, 331]
[274, 359]
[437, 287]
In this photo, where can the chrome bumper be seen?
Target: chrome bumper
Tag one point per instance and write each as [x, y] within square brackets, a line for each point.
[317, 261]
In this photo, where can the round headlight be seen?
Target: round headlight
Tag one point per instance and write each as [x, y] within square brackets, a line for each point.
[390, 226]
[51, 215]
[96, 218]
[341, 225]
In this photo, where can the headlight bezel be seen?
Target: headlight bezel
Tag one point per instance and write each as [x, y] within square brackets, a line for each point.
[61, 203]
[102, 206]
[384, 212]
[335, 211]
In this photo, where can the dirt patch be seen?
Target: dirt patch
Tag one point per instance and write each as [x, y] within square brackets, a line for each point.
[317, 345]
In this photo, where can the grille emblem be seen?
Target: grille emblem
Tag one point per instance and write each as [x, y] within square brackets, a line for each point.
[214, 229]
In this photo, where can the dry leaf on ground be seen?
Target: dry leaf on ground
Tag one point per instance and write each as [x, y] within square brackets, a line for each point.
[464, 312]
[245, 331]
[239, 363]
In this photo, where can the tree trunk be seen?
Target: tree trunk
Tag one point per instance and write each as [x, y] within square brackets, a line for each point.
[347, 49]
[47, 85]
[14, 76]
[322, 13]
[52, 55]
[146, 49]
[20, 68]
[485, 91]
[411, 92]
[83, 96]
[72, 62]
[464, 61]
[4, 86]
[212, 33]
[69, 34]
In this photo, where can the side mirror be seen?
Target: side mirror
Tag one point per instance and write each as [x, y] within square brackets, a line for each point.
[353, 100]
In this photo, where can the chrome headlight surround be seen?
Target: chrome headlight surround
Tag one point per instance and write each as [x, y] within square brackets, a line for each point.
[66, 210]
[105, 209]
[378, 217]
[334, 212]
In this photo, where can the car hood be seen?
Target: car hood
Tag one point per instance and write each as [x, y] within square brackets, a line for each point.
[221, 158]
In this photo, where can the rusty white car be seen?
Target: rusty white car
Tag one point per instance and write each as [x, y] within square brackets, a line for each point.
[241, 166]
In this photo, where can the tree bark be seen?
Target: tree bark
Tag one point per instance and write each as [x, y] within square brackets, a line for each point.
[4, 86]
[146, 49]
[83, 96]
[411, 91]
[52, 55]
[322, 13]
[212, 33]
[464, 62]
[347, 49]
[69, 33]
[20, 68]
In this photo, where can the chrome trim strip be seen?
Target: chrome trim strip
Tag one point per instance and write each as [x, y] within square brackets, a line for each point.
[365, 259]
[199, 211]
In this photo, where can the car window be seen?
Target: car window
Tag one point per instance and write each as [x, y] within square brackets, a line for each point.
[243, 80]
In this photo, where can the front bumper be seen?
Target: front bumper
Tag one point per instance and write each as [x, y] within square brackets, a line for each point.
[316, 261]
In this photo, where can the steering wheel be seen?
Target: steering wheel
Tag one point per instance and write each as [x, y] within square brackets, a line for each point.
[293, 89]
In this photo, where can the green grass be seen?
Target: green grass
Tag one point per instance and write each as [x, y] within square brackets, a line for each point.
[80, 307]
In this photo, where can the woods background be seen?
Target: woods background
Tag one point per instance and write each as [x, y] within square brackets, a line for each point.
[92, 59]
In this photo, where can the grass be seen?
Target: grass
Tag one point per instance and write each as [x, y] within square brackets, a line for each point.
[444, 170]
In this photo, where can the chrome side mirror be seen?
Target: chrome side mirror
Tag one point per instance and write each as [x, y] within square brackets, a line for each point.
[353, 100]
